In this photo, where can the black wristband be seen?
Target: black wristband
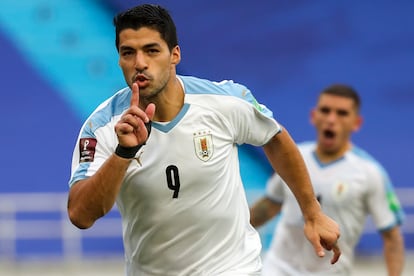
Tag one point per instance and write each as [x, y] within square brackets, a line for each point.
[130, 152]
[127, 152]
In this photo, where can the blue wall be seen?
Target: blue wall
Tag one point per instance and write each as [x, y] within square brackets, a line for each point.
[58, 61]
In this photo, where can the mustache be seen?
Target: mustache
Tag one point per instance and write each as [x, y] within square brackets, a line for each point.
[141, 76]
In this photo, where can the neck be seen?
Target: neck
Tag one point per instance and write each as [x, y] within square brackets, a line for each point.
[326, 156]
[168, 103]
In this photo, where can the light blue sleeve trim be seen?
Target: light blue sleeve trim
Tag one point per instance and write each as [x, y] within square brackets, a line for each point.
[80, 173]
[389, 227]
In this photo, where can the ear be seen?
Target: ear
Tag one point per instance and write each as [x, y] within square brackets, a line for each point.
[312, 116]
[176, 55]
[358, 123]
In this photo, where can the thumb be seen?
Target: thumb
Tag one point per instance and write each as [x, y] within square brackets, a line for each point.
[150, 111]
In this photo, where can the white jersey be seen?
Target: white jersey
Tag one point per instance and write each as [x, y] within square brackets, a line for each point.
[182, 201]
[348, 190]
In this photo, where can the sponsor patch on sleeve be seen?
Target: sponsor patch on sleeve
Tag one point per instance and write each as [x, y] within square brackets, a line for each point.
[87, 149]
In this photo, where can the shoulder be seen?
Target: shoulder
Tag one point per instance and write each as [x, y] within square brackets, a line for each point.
[221, 92]
[365, 158]
[111, 107]
[306, 147]
[367, 162]
[194, 85]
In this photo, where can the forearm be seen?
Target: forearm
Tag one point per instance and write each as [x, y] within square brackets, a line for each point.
[262, 211]
[286, 159]
[92, 198]
[394, 252]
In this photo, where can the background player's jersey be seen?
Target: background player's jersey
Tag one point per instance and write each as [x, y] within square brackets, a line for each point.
[182, 201]
[348, 190]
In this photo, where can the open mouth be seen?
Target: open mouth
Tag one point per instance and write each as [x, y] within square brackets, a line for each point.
[329, 134]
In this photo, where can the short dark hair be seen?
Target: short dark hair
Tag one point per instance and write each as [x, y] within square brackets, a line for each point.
[343, 90]
[147, 15]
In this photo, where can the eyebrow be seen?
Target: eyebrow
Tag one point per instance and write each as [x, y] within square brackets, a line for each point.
[146, 46]
[151, 45]
[342, 112]
[125, 48]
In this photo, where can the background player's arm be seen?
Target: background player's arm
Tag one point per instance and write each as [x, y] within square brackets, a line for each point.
[287, 161]
[393, 250]
[263, 210]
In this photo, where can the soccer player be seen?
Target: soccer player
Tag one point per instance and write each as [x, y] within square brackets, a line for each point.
[165, 150]
[349, 184]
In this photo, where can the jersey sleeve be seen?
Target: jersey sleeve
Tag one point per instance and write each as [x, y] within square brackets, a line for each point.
[249, 121]
[89, 154]
[97, 139]
[383, 203]
[253, 123]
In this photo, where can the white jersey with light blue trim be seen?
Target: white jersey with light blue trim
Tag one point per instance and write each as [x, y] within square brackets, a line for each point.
[348, 189]
[182, 201]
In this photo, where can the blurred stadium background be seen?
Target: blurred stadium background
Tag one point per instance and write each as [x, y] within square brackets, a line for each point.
[58, 62]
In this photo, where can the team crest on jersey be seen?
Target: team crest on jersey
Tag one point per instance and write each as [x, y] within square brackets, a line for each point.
[203, 144]
[340, 190]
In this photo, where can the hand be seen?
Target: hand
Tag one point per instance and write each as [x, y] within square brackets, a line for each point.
[130, 129]
[323, 232]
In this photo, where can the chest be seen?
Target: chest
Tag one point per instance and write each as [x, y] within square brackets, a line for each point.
[187, 159]
[339, 185]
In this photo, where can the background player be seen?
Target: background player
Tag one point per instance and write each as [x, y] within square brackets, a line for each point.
[349, 185]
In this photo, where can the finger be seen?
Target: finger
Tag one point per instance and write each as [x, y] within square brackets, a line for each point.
[135, 95]
[320, 252]
[337, 254]
[123, 129]
[131, 120]
[318, 247]
[150, 111]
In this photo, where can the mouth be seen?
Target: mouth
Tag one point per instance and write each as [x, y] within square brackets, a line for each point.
[142, 80]
[329, 134]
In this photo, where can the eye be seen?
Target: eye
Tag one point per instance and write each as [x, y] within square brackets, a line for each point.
[325, 110]
[126, 53]
[342, 112]
[153, 51]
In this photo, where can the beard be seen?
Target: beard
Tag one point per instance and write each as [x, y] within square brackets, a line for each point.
[152, 87]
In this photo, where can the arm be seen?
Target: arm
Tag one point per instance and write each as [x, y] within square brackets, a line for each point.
[393, 251]
[263, 210]
[91, 198]
[286, 159]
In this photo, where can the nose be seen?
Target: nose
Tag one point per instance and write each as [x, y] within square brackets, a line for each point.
[140, 62]
[331, 116]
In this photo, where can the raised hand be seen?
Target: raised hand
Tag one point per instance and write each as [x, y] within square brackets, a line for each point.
[130, 129]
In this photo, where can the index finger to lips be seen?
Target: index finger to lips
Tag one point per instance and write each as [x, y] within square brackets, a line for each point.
[135, 95]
